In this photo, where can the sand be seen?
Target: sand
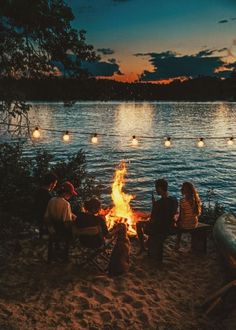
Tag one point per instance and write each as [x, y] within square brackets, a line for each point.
[35, 295]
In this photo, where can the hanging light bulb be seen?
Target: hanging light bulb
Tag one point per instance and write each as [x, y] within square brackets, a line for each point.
[94, 138]
[36, 133]
[168, 142]
[230, 141]
[66, 137]
[134, 141]
[201, 143]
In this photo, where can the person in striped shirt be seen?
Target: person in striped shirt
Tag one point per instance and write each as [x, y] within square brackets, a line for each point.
[190, 209]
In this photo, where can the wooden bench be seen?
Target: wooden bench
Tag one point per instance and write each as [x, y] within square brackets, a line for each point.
[198, 236]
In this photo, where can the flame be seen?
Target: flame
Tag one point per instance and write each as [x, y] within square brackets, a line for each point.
[121, 211]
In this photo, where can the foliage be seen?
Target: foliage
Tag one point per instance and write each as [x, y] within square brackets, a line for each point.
[21, 176]
[36, 39]
[212, 209]
[16, 181]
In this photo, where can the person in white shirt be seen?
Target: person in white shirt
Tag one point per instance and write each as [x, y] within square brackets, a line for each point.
[59, 208]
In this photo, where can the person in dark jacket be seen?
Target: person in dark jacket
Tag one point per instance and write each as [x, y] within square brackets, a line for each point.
[161, 220]
[90, 218]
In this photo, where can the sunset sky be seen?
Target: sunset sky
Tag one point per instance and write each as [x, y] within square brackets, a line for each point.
[153, 40]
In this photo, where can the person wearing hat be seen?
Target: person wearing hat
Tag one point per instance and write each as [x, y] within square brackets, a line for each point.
[59, 208]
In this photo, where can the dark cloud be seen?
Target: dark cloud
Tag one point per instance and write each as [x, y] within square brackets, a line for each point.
[105, 69]
[172, 65]
[233, 18]
[105, 51]
[223, 21]
[112, 60]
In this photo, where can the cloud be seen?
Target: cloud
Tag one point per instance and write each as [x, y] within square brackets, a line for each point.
[105, 51]
[105, 69]
[223, 21]
[112, 60]
[170, 65]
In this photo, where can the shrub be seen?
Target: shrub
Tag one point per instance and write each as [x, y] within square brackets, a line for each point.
[212, 209]
[21, 175]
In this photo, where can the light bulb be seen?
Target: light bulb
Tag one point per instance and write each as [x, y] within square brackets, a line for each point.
[201, 143]
[94, 139]
[66, 136]
[134, 141]
[36, 133]
[230, 141]
[168, 142]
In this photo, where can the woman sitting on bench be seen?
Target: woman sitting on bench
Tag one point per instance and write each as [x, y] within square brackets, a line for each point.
[190, 210]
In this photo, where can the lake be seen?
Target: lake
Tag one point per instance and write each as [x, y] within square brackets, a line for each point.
[211, 167]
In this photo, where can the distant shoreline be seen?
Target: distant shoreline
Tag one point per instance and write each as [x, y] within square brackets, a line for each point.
[202, 89]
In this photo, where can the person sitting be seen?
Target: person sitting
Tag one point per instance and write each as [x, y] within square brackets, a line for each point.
[90, 218]
[161, 220]
[190, 209]
[42, 197]
[119, 260]
[58, 211]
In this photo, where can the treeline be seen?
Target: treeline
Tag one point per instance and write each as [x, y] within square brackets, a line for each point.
[58, 89]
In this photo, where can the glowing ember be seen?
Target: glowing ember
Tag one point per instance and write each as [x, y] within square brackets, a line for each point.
[121, 211]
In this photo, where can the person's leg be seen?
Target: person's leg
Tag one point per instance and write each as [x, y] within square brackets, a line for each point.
[160, 244]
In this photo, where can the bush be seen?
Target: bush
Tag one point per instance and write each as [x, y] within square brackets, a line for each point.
[212, 209]
[21, 175]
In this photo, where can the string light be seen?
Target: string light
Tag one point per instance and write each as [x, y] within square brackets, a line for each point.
[94, 139]
[36, 133]
[134, 140]
[230, 141]
[201, 143]
[66, 137]
[168, 142]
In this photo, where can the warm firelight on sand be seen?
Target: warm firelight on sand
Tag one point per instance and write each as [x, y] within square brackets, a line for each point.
[121, 211]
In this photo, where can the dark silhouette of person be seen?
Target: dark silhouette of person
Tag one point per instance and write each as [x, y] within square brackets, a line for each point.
[161, 221]
[42, 197]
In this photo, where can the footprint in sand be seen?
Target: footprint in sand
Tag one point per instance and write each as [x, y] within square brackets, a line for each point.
[106, 316]
[137, 304]
[128, 299]
[84, 303]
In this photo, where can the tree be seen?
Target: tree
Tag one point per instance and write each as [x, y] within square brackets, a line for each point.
[36, 39]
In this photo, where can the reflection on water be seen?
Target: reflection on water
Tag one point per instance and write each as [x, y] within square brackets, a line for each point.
[210, 167]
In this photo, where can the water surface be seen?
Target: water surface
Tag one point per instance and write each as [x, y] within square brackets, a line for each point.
[210, 167]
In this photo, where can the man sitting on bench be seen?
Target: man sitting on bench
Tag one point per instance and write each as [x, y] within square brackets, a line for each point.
[161, 221]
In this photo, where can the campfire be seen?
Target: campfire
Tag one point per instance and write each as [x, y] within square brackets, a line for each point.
[121, 212]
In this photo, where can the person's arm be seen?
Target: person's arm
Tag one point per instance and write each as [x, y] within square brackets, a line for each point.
[67, 214]
[103, 225]
[154, 212]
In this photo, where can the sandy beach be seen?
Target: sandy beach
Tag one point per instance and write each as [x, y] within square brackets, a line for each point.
[35, 295]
